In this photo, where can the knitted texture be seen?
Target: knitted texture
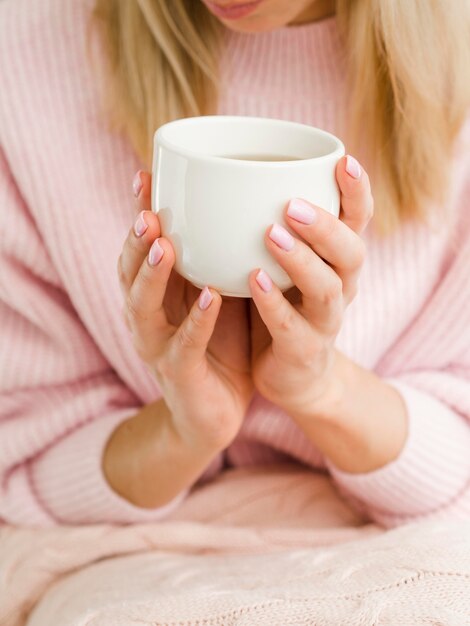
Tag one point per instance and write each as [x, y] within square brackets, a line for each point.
[69, 374]
[254, 548]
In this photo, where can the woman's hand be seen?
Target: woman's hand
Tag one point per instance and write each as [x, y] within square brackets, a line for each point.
[196, 343]
[294, 361]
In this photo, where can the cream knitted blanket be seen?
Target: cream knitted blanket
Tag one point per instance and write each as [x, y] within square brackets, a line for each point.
[270, 545]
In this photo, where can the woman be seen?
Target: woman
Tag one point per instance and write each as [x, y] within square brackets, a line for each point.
[112, 417]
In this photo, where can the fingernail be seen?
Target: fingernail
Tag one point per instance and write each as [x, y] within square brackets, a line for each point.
[352, 167]
[301, 211]
[140, 225]
[205, 298]
[264, 281]
[155, 253]
[137, 184]
[281, 237]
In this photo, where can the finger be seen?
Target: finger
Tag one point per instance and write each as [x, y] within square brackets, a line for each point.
[144, 303]
[357, 204]
[330, 238]
[319, 284]
[136, 247]
[189, 344]
[259, 334]
[142, 188]
[290, 331]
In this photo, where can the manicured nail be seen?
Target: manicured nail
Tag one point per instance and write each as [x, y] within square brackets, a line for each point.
[264, 281]
[205, 298]
[137, 184]
[352, 167]
[301, 211]
[140, 225]
[155, 253]
[281, 237]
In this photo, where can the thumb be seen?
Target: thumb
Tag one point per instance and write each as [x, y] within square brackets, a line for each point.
[189, 343]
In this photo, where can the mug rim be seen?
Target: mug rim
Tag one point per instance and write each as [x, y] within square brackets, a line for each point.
[161, 140]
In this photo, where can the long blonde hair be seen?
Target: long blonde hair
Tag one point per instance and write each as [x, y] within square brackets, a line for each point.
[409, 92]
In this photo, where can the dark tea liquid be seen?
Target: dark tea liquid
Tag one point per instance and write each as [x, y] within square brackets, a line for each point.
[261, 157]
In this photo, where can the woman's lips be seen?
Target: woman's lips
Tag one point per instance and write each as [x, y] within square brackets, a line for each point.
[232, 11]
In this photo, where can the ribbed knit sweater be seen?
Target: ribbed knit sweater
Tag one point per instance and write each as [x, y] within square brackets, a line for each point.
[69, 374]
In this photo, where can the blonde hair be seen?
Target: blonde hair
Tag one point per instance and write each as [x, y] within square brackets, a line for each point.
[408, 93]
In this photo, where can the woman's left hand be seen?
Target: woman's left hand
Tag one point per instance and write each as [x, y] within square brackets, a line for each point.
[294, 361]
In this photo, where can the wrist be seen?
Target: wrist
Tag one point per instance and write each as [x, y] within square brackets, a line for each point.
[208, 427]
[328, 404]
[131, 451]
[360, 423]
[148, 463]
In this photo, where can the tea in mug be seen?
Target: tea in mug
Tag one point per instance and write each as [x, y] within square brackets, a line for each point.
[261, 157]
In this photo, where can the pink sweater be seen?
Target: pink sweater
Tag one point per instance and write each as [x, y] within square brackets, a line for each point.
[68, 371]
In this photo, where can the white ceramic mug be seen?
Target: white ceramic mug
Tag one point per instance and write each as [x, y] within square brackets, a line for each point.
[215, 210]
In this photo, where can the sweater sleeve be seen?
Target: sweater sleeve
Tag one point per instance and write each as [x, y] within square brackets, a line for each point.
[430, 367]
[59, 398]
[431, 476]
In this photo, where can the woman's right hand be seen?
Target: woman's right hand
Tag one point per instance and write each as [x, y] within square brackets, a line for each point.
[196, 343]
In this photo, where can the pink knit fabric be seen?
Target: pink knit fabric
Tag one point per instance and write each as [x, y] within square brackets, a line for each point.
[69, 374]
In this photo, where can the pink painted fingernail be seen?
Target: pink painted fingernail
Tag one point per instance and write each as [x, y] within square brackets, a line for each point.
[137, 184]
[264, 281]
[352, 167]
[155, 253]
[301, 211]
[281, 237]
[205, 298]
[140, 225]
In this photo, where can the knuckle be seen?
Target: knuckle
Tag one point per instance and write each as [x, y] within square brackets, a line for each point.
[309, 351]
[304, 355]
[328, 228]
[187, 334]
[133, 310]
[287, 321]
[195, 323]
[333, 291]
[308, 358]
[144, 278]
[184, 339]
